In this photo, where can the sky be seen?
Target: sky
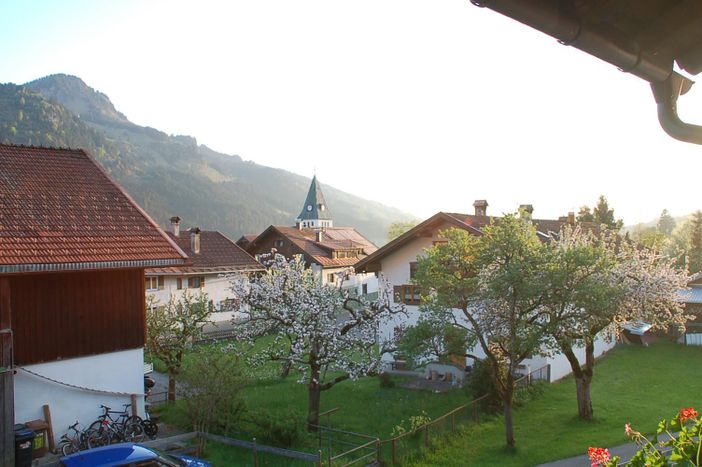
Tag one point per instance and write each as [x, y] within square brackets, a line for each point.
[424, 105]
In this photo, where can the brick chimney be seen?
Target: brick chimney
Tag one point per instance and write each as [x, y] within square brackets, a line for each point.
[195, 240]
[480, 206]
[175, 225]
[319, 235]
[525, 211]
[571, 218]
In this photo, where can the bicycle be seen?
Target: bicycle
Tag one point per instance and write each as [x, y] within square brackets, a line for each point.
[80, 441]
[125, 428]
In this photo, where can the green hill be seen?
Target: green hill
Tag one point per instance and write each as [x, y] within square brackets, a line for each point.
[172, 175]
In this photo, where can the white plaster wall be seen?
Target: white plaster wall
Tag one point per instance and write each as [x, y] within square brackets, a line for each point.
[216, 287]
[117, 371]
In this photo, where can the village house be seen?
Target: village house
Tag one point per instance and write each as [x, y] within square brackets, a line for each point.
[692, 297]
[397, 261]
[212, 257]
[330, 251]
[73, 250]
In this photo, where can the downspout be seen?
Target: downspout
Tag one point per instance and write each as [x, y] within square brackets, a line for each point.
[666, 94]
[557, 19]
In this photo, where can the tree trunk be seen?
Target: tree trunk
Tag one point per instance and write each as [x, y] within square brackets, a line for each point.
[171, 387]
[509, 423]
[583, 377]
[582, 385]
[285, 370]
[313, 398]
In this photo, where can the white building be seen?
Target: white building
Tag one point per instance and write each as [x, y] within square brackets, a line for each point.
[211, 256]
[397, 260]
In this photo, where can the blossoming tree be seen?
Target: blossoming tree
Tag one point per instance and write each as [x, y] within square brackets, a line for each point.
[492, 289]
[599, 283]
[172, 329]
[323, 331]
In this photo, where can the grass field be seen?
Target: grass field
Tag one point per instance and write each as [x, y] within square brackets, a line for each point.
[640, 385]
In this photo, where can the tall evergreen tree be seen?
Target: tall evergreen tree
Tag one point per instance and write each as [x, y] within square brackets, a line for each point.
[666, 223]
[603, 215]
[585, 214]
[695, 253]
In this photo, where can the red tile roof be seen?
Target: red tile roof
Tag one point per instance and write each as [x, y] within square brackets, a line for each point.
[474, 224]
[333, 239]
[217, 254]
[60, 211]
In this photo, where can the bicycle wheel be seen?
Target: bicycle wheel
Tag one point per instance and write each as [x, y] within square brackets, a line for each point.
[68, 448]
[133, 430]
[98, 434]
[150, 429]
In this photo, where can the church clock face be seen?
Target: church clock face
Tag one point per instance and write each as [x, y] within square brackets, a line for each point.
[309, 207]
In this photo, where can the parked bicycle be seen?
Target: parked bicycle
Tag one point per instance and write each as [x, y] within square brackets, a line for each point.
[108, 430]
[79, 441]
[150, 426]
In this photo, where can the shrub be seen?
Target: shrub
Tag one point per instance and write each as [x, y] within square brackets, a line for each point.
[282, 429]
[482, 383]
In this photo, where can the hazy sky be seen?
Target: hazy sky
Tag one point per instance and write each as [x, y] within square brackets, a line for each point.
[423, 105]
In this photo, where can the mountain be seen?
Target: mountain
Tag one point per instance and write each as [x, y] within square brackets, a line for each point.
[173, 175]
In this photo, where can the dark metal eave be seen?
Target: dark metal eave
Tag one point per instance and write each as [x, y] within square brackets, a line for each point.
[88, 266]
[650, 56]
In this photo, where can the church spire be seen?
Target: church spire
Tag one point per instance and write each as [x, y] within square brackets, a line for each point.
[315, 213]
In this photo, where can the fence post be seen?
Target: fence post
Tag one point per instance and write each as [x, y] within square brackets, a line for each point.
[133, 398]
[377, 450]
[392, 445]
[319, 462]
[548, 372]
[255, 453]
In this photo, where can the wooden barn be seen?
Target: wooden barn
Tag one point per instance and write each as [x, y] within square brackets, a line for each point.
[73, 250]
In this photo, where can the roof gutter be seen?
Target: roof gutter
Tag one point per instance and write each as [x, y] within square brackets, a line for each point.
[557, 19]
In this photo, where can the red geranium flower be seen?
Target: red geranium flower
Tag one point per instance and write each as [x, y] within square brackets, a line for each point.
[687, 414]
[598, 456]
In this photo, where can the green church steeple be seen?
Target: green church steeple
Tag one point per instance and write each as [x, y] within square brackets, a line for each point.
[315, 213]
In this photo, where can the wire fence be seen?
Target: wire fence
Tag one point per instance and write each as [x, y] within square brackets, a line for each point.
[407, 446]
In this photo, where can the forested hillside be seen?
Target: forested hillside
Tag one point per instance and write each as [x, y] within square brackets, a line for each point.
[172, 175]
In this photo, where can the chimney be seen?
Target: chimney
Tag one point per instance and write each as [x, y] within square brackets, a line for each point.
[195, 240]
[318, 235]
[480, 206]
[571, 218]
[526, 210]
[175, 225]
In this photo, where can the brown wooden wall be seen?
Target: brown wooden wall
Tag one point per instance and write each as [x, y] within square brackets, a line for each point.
[288, 249]
[65, 315]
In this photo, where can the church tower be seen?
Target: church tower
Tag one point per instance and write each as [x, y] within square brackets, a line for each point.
[314, 214]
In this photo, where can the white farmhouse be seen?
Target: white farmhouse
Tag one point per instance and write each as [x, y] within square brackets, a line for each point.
[211, 256]
[397, 260]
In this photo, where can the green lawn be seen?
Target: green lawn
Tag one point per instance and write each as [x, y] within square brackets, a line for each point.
[640, 385]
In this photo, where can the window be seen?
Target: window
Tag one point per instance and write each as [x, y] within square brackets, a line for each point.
[331, 277]
[154, 282]
[364, 289]
[413, 269]
[196, 282]
[179, 283]
[407, 294]
[279, 243]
